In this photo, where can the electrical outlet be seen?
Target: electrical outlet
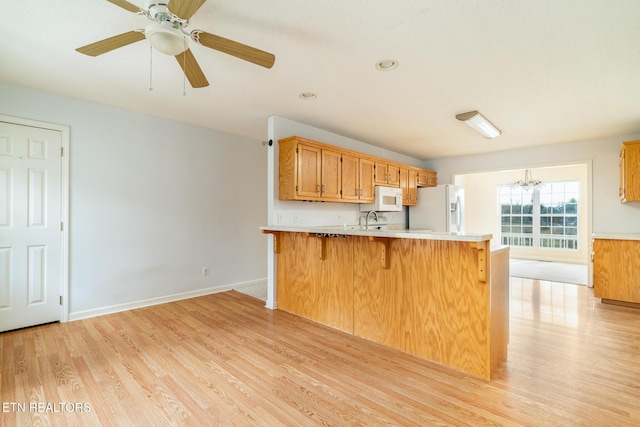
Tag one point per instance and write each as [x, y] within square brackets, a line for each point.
[205, 271]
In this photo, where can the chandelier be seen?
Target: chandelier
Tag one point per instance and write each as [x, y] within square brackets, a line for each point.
[528, 183]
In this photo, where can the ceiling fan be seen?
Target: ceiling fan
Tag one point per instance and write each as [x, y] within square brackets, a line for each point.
[167, 34]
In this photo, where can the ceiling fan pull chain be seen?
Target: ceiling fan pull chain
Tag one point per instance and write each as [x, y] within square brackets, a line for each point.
[150, 67]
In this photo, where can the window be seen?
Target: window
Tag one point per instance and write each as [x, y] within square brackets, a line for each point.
[516, 216]
[545, 218]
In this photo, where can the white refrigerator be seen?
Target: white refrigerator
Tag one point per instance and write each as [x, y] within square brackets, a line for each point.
[439, 208]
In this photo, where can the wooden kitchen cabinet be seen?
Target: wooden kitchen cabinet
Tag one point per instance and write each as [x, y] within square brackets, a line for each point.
[331, 175]
[630, 172]
[357, 179]
[387, 174]
[308, 172]
[409, 186]
[309, 162]
[427, 178]
[313, 171]
[616, 270]
[367, 173]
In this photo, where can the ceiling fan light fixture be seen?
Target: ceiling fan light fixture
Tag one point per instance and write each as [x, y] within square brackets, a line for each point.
[478, 122]
[165, 38]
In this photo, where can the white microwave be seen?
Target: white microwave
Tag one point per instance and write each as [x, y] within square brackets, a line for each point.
[387, 199]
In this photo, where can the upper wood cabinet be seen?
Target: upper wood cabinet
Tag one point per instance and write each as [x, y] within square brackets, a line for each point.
[331, 175]
[427, 178]
[367, 186]
[616, 268]
[311, 170]
[630, 172]
[308, 172]
[357, 179]
[387, 174]
[409, 185]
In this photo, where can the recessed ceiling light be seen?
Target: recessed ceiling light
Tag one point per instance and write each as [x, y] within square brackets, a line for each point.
[387, 65]
[308, 96]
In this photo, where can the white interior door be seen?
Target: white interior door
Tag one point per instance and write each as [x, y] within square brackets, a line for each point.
[30, 226]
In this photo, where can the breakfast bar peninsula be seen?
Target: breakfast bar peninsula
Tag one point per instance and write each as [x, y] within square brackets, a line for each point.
[443, 297]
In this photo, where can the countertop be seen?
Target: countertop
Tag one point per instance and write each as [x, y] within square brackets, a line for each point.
[617, 236]
[392, 233]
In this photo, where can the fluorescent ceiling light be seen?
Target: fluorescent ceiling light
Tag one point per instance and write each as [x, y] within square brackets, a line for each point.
[479, 123]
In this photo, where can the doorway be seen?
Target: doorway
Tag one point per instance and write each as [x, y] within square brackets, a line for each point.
[554, 248]
[33, 223]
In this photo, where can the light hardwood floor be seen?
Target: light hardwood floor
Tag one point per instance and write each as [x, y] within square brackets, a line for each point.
[224, 359]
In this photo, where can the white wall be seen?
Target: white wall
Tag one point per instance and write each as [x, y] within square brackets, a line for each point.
[609, 215]
[152, 202]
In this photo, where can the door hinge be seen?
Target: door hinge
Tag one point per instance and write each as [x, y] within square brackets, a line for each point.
[61, 151]
[296, 150]
[296, 188]
[60, 299]
[61, 226]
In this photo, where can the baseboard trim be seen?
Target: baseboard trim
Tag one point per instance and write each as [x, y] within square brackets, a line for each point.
[101, 311]
[620, 303]
[558, 260]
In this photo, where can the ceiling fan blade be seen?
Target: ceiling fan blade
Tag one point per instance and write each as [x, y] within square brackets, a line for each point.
[125, 5]
[107, 45]
[239, 50]
[192, 69]
[185, 9]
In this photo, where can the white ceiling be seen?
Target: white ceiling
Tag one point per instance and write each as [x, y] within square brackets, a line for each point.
[543, 71]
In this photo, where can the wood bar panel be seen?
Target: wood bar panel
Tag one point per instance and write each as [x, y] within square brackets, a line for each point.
[430, 298]
[316, 288]
[377, 295]
[429, 302]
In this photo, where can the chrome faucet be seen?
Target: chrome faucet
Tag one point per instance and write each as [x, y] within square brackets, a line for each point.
[366, 224]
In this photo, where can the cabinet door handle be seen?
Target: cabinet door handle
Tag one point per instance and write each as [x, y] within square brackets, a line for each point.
[318, 188]
[324, 188]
